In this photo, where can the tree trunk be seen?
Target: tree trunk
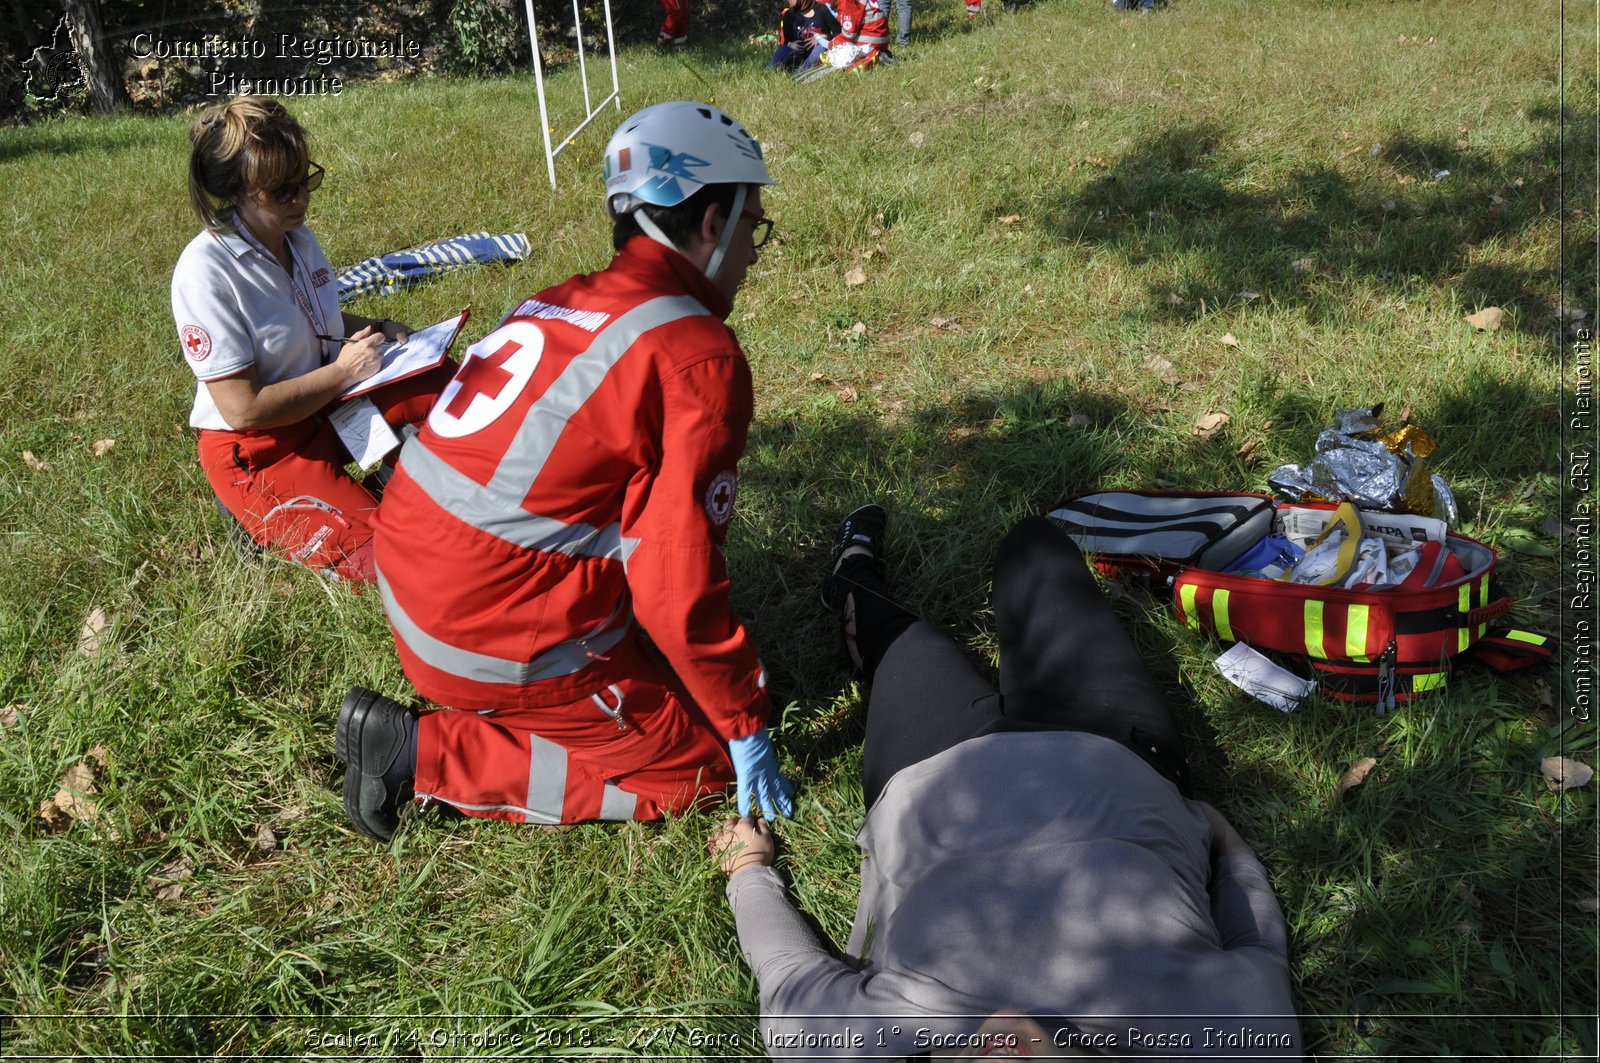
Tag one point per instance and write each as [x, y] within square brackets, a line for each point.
[106, 90]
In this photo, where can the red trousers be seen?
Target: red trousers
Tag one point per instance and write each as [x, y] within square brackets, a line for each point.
[287, 486]
[571, 762]
[674, 18]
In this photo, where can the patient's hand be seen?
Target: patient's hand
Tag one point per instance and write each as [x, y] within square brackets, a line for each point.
[1225, 841]
[741, 843]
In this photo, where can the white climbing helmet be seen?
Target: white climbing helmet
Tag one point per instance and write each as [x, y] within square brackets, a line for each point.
[668, 152]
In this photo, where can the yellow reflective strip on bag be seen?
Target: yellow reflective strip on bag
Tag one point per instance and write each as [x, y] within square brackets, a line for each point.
[1355, 633]
[1464, 606]
[1531, 637]
[1428, 681]
[1483, 600]
[1219, 615]
[1314, 629]
[1186, 599]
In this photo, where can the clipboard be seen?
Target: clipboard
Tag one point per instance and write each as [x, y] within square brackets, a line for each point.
[423, 350]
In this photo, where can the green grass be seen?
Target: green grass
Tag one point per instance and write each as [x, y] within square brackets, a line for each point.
[1073, 193]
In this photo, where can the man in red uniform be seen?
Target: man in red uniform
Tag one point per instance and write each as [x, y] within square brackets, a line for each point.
[865, 23]
[674, 24]
[549, 550]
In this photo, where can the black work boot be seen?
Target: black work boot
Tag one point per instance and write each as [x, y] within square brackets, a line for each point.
[376, 739]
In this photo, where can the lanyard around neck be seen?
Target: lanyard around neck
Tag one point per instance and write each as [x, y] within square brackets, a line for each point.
[302, 297]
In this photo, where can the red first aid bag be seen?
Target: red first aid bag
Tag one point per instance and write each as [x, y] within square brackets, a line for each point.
[1381, 644]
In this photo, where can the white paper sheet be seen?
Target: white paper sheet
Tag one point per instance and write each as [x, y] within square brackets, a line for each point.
[363, 431]
[422, 350]
[1263, 680]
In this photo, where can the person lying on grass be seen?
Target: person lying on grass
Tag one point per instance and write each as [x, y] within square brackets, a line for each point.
[1033, 847]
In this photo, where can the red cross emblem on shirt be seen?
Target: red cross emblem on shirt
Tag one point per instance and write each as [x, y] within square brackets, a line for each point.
[196, 342]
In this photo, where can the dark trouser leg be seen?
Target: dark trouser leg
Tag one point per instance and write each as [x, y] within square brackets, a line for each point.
[926, 695]
[1065, 660]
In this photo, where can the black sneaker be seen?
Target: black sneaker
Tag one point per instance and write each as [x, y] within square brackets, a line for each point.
[865, 526]
[374, 740]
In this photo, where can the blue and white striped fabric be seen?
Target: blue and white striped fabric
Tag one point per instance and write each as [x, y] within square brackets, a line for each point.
[387, 274]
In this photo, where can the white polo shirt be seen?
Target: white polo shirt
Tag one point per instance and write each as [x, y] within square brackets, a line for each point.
[236, 307]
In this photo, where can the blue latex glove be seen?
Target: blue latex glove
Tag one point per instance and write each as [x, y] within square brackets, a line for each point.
[755, 767]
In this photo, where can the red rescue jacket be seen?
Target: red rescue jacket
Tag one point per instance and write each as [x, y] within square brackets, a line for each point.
[863, 22]
[574, 483]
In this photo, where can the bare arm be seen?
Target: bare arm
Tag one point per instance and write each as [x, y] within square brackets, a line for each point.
[247, 405]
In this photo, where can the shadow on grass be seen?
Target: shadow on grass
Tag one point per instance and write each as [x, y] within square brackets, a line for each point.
[1183, 197]
[956, 475]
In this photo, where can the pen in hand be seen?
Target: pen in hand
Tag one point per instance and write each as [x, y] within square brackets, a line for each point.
[341, 339]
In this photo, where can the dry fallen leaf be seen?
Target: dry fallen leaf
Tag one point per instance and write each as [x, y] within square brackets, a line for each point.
[856, 277]
[1211, 425]
[1247, 296]
[1487, 319]
[166, 882]
[1229, 340]
[943, 322]
[917, 139]
[11, 714]
[847, 393]
[1010, 219]
[1079, 420]
[34, 463]
[1564, 773]
[101, 447]
[1303, 265]
[1249, 448]
[859, 328]
[264, 840]
[1174, 299]
[1160, 367]
[91, 637]
[815, 377]
[71, 801]
[1354, 776]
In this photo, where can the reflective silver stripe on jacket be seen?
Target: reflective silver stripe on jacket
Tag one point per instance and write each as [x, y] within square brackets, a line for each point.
[561, 659]
[496, 508]
[463, 497]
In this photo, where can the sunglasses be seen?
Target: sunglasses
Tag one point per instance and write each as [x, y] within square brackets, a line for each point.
[760, 228]
[285, 193]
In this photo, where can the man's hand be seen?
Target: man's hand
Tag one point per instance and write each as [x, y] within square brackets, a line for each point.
[755, 767]
[1225, 841]
[741, 843]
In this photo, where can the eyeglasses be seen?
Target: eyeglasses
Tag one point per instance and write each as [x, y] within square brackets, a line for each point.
[285, 193]
[760, 227]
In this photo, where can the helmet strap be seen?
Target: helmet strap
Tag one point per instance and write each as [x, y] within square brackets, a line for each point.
[734, 213]
[652, 230]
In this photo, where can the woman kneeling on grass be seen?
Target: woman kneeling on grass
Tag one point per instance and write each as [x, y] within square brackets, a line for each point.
[259, 323]
[1031, 848]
